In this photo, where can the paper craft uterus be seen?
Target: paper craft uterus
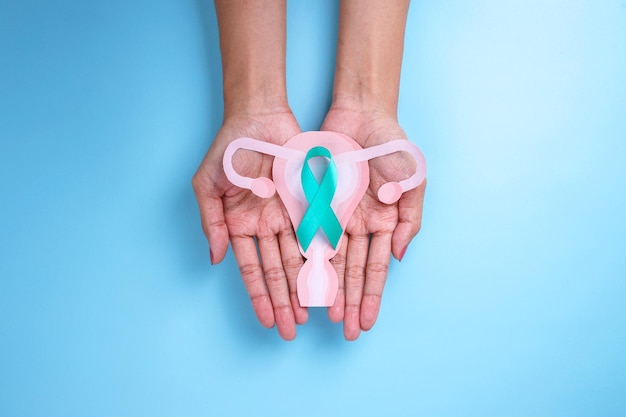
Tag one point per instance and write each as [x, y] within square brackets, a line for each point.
[321, 177]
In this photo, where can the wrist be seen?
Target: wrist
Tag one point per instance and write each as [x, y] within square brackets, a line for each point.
[367, 89]
[364, 101]
[252, 45]
[369, 55]
[258, 118]
[255, 87]
[246, 103]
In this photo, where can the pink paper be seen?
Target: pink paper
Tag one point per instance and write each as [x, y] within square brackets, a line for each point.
[317, 281]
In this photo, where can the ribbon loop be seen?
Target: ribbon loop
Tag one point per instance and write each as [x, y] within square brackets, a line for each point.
[319, 196]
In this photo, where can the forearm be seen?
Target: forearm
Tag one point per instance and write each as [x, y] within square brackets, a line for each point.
[252, 43]
[369, 55]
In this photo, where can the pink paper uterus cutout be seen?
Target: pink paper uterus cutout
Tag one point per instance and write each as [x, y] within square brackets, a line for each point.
[317, 282]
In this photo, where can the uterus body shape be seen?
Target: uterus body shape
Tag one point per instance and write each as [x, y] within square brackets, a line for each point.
[341, 176]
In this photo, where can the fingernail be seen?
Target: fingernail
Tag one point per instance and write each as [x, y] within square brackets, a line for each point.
[211, 256]
[402, 253]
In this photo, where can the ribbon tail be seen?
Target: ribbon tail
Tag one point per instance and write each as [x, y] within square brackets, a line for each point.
[307, 229]
[332, 228]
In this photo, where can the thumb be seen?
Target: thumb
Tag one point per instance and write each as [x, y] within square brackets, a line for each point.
[409, 220]
[212, 217]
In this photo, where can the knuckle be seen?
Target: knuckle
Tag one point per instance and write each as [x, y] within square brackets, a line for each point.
[414, 227]
[263, 238]
[360, 238]
[205, 229]
[208, 227]
[285, 309]
[378, 268]
[259, 298]
[287, 233]
[355, 272]
[196, 181]
[250, 272]
[293, 263]
[372, 297]
[220, 222]
[274, 274]
[352, 307]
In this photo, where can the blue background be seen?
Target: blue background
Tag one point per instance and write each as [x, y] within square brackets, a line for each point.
[510, 302]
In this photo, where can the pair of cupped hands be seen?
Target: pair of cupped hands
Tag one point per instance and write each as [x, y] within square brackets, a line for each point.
[375, 231]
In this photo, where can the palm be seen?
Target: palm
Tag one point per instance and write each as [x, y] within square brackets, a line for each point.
[246, 214]
[371, 215]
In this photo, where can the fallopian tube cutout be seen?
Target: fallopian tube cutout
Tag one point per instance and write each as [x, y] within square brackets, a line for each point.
[321, 178]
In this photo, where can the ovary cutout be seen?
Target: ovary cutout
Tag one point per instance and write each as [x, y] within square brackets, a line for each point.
[321, 177]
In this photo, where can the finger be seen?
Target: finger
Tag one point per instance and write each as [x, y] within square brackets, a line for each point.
[336, 311]
[245, 252]
[292, 262]
[276, 281]
[409, 220]
[375, 277]
[212, 217]
[356, 260]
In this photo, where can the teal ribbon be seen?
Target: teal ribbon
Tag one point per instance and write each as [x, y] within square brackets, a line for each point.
[319, 196]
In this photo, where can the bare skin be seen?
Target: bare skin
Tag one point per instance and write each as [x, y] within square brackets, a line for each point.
[365, 99]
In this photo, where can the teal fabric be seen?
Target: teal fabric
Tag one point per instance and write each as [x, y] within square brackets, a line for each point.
[319, 196]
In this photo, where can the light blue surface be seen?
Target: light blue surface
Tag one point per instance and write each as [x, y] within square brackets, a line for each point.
[511, 301]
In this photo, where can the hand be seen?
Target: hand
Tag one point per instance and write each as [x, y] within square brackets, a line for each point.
[231, 212]
[376, 230]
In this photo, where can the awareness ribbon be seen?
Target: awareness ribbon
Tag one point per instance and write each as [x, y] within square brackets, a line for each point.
[319, 195]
